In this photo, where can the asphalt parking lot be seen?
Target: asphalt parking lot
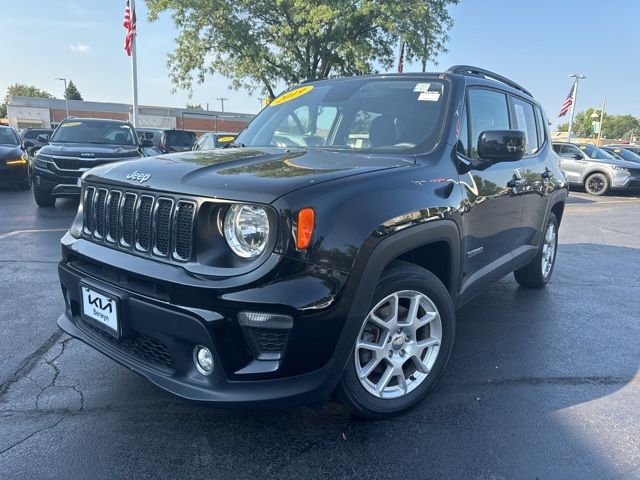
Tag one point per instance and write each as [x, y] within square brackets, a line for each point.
[541, 384]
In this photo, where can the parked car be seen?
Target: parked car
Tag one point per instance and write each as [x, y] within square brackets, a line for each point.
[623, 154]
[30, 139]
[259, 275]
[210, 140]
[15, 168]
[151, 134]
[595, 169]
[632, 148]
[176, 141]
[77, 145]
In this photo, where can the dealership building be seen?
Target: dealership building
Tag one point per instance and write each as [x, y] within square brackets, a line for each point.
[24, 112]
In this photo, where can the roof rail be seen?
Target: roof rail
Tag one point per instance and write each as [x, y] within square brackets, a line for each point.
[481, 72]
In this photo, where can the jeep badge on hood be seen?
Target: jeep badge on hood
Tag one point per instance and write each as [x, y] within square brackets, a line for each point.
[139, 176]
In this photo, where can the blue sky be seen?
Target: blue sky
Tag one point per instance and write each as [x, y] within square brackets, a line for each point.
[537, 43]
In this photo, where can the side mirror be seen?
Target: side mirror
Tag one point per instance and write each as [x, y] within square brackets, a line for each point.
[577, 156]
[43, 138]
[501, 145]
[146, 144]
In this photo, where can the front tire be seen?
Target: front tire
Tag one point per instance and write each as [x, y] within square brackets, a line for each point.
[538, 273]
[403, 346]
[597, 184]
[43, 197]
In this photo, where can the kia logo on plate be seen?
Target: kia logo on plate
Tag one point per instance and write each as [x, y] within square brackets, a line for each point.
[139, 176]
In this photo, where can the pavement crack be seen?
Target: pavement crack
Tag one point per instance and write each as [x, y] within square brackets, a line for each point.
[28, 363]
[48, 427]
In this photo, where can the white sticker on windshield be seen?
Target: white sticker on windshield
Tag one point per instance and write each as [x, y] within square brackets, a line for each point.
[429, 96]
[421, 87]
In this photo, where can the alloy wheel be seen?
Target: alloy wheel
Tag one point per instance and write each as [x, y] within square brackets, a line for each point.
[595, 184]
[549, 250]
[398, 344]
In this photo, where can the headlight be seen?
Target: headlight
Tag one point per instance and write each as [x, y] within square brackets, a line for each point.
[246, 229]
[16, 161]
[41, 160]
[620, 169]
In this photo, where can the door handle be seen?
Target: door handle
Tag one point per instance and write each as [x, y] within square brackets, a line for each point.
[516, 182]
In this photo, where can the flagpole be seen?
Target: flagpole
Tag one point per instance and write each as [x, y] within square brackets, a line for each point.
[577, 78]
[134, 68]
[604, 100]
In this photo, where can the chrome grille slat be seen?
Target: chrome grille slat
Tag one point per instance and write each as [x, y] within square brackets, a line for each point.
[183, 228]
[88, 210]
[143, 222]
[99, 208]
[151, 224]
[113, 220]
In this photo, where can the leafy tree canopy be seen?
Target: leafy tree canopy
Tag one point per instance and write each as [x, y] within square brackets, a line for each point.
[72, 92]
[258, 44]
[614, 126]
[21, 90]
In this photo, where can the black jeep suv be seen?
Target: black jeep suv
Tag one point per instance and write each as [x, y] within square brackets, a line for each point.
[326, 249]
[77, 145]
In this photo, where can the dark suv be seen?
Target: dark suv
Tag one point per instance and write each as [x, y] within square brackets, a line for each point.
[30, 139]
[77, 145]
[297, 265]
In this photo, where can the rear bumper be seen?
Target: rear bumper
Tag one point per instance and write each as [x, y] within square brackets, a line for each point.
[161, 328]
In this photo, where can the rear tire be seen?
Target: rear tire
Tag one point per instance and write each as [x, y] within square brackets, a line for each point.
[538, 273]
[597, 184]
[43, 197]
[404, 354]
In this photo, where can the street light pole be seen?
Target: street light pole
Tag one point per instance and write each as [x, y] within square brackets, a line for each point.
[577, 78]
[66, 103]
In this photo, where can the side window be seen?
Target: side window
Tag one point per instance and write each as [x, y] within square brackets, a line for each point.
[488, 110]
[525, 120]
[568, 151]
[542, 127]
[463, 135]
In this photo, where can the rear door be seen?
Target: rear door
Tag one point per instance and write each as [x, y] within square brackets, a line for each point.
[533, 167]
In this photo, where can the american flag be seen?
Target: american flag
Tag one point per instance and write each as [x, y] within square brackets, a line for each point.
[568, 102]
[130, 26]
[401, 59]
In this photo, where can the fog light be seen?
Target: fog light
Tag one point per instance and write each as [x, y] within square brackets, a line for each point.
[203, 359]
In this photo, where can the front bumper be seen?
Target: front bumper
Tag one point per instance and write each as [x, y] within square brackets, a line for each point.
[59, 184]
[168, 312]
[625, 181]
[13, 174]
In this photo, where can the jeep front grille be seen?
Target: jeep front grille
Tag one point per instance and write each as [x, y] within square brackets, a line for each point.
[149, 224]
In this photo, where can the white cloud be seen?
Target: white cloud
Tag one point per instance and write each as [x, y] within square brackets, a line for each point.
[79, 48]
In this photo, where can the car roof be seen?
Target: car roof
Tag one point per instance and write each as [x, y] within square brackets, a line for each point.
[473, 76]
[82, 119]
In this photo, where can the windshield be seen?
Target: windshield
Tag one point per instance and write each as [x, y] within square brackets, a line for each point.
[180, 138]
[625, 154]
[8, 137]
[94, 131]
[597, 153]
[369, 114]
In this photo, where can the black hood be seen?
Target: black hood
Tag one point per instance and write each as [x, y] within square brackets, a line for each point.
[10, 151]
[90, 151]
[249, 174]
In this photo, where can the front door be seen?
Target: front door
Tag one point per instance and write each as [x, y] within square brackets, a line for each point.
[572, 163]
[492, 214]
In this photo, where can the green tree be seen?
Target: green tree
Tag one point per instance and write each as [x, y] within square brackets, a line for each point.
[563, 127]
[620, 126]
[72, 92]
[258, 44]
[21, 90]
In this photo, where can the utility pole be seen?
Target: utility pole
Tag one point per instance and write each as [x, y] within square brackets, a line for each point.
[222, 103]
[601, 122]
[577, 78]
[66, 103]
